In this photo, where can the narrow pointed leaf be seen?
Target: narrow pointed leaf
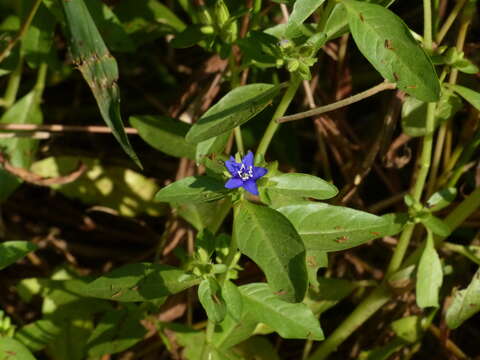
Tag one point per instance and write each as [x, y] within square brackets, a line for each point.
[193, 189]
[11, 251]
[465, 303]
[386, 42]
[98, 67]
[333, 228]
[429, 275]
[234, 109]
[302, 185]
[270, 240]
[140, 282]
[291, 321]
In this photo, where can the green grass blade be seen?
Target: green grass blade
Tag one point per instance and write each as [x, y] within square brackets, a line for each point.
[98, 67]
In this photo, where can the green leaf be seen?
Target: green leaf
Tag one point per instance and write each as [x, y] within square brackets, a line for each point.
[11, 251]
[302, 9]
[408, 328]
[38, 41]
[9, 28]
[238, 324]
[270, 240]
[258, 348]
[190, 36]
[98, 67]
[471, 96]
[332, 228]
[210, 296]
[206, 215]
[214, 145]
[290, 321]
[436, 225]
[234, 109]
[110, 27]
[116, 331]
[442, 198]
[140, 282]
[302, 185]
[429, 275]
[193, 189]
[11, 349]
[316, 259]
[164, 134]
[465, 303]
[147, 20]
[260, 47]
[386, 42]
[414, 112]
[20, 151]
[38, 334]
[328, 293]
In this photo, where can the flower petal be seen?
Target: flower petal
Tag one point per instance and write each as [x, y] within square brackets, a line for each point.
[231, 166]
[251, 186]
[258, 172]
[248, 159]
[233, 183]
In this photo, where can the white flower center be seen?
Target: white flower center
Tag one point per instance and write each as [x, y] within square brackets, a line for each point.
[245, 173]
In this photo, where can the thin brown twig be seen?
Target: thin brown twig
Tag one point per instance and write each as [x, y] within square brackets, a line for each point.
[36, 179]
[339, 104]
[63, 128]
[21, 32]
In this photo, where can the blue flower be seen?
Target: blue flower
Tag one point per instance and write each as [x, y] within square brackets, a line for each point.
[244, 174]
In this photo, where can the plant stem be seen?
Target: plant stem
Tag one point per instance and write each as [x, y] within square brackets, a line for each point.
[239, 140]
[21, 32]
[379, 296]
[425, 157]
[281, 109]
[363, 311]
[450, 19]
[339, 104]
[427, 24]
[13, 84]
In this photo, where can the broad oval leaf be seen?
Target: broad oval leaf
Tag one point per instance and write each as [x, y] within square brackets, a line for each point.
[193, 189]
[333, 228]
[441, 199]
[291, 321]
[386, 42]
[472, 96]
[164, 134]
[11, 251]
[302, 9]
[234, 109]
[429, 275]
[302, 185]
[140, 282]
[466, 303]
[270, 240]
[12, 349]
